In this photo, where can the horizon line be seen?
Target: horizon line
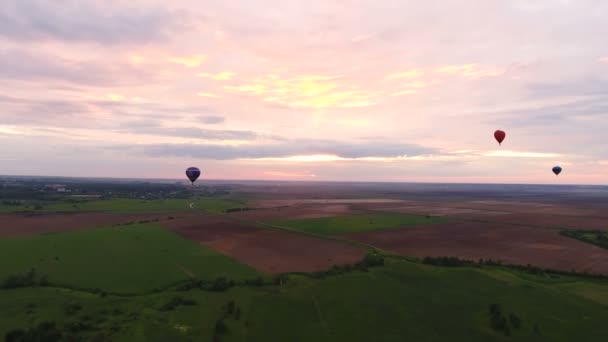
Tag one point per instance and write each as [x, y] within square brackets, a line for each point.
[297, 180]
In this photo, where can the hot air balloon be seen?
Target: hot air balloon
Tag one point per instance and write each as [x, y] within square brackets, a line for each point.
[193, 173]
[499, 136]
[557, 170]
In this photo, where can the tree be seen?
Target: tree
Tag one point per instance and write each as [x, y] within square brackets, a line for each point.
[220, 327]
[230, 307]
[515, 321]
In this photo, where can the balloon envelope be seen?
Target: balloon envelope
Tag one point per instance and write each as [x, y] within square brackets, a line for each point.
[193, 173]
[499, 136]
[557, 170]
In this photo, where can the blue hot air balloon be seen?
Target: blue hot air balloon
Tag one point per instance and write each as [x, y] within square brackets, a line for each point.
[557, 170]
[193, 173]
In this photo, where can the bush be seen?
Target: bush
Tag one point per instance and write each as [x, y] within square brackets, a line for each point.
[230, 308]
[515, 321]
[219, 284]
[28, 279]
[15, 335]
[175, 302]
[280, 279]
[259, 281]
[370, 260]
[499, 322]
[445, 261]
[72, 308]
[220, 327]
[46, 331]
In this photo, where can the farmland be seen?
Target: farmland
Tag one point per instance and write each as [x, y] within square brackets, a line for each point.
[357, 223]
[596, 237]
[128, 259]
[295, 267]
[126, 205]
[401, 300]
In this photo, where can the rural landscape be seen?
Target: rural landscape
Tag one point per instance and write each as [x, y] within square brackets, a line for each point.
[128, 260]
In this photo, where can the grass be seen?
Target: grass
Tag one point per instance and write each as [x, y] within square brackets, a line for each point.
[402, 301]
[595, 237]
[130, 259]
[357, 223]
[123, 205]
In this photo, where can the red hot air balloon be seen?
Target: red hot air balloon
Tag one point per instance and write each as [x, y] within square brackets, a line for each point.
[499, 136]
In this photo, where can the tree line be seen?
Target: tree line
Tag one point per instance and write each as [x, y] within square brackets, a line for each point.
[531, 269]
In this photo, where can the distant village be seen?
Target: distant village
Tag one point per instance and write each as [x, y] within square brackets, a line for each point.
[14, 190]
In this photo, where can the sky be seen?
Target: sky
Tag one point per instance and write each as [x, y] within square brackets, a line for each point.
[359, 90]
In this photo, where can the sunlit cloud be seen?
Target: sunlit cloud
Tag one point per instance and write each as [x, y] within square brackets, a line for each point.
[9, 130]
[325, 158]
[210, 95]
[470, 71]
[306, 91]
[220, 76]
[192, 61]
[115, 97]
[604, 60]
[405, 74]
[353, 122]
[136, 59]
[404, 92]
[361, 38]
[519, 154]
[282, 174]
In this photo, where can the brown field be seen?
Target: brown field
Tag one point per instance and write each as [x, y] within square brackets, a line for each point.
[269, 251]
[482, 225]
[509, 243]
[27, 224]
[296, 211]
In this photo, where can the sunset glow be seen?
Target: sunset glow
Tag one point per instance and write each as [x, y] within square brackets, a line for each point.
[374, 91]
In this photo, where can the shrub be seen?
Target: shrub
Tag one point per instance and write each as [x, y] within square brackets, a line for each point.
[230, 308]
[220, 327]
[24, 280]
[72, 308]
[515, 321]
[175, 302]
[46, 331]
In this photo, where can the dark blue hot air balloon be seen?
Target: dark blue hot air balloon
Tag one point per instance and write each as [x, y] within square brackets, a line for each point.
[193, 173]
[557, 170]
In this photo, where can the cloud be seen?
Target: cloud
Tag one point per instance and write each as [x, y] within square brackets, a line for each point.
[563, 115]
[470, 71]
[205, 94]
[520, 154]
[283, 174]
[193, 132]
[211, 119]
[26, 66]
[405, 74]
[283, 150]
[191, 61]
[603, 60]
[220, 76]
[305, 91]
[582, 86]
[103, 22]
[361, 38]
[100, 113]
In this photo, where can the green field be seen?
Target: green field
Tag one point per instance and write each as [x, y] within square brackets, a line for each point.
[129, 259]
[596, 237]
[123, 205]
[356, 223]
[401, 301]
